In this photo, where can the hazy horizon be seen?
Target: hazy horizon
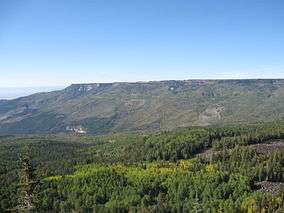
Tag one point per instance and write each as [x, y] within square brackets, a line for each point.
[8, 93]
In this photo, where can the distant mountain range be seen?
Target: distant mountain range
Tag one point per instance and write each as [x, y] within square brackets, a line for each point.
[116, 107]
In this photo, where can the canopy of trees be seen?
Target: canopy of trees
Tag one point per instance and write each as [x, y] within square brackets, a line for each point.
[212, 169]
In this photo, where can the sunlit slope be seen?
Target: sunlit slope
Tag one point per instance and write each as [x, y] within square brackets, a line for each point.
[116, 107]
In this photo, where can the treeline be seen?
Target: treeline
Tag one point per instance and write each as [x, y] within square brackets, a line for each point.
[248, 134]
[185, 144]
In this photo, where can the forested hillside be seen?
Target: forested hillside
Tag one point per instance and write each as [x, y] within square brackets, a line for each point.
[128, 107]
[238, 168]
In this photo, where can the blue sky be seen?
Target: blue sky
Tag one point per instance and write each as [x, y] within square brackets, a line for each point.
[59, 42]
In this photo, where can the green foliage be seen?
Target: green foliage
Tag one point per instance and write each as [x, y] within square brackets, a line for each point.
[158, 172]
[186, 143]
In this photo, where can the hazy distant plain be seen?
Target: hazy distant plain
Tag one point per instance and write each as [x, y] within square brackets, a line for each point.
[16, 92]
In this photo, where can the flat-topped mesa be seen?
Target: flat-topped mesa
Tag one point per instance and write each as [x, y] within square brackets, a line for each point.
[91, 88]
[83, 88]
[102, 108]
[233, 81]
[96, 87]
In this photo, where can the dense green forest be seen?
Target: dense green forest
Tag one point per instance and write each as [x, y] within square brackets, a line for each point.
[200, 169]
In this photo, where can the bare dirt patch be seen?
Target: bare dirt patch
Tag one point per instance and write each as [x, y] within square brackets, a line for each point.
[264, 148]
[261, 148]
[271, 187]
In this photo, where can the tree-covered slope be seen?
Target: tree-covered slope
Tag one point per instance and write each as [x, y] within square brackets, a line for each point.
[116, 107]
[169, 171]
